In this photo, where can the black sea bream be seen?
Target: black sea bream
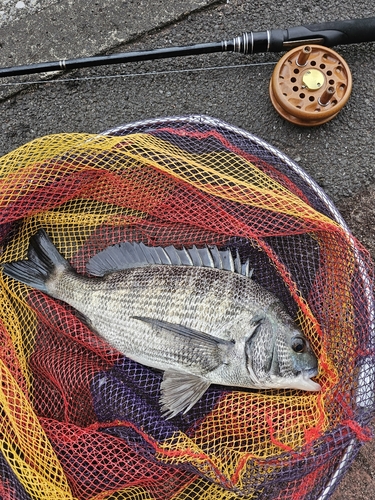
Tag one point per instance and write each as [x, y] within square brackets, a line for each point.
[193, 313]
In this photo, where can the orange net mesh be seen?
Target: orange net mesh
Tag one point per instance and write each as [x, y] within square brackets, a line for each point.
[79, 420]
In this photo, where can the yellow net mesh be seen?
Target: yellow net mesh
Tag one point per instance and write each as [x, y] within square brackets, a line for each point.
[65, 433]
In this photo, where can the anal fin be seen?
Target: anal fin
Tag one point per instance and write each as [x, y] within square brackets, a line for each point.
[180, 391]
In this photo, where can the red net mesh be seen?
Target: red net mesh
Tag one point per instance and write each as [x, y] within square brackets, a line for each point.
[78, 419]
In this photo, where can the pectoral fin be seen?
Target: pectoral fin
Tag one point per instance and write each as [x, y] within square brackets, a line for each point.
[202, 337]
[196, 347]
[180, 391]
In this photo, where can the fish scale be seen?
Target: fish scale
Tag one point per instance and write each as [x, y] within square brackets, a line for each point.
[104, 306]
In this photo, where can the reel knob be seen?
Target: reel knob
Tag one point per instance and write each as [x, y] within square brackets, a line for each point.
[310, 85]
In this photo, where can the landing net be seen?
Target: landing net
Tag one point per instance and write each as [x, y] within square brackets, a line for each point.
[78, 419]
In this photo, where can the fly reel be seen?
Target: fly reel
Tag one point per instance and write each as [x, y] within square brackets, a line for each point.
[310, 85]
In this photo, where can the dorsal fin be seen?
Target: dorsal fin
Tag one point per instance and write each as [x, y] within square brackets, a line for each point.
[127, 255]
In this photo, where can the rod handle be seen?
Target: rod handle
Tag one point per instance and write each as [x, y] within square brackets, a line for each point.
[328, 34]
[337, 32]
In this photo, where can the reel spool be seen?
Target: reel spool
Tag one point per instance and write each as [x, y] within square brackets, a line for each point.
[310, 85]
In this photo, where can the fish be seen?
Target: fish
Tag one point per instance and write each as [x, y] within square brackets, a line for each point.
[196, 314]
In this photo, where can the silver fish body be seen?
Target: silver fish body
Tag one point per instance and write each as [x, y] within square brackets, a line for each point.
[199, 324]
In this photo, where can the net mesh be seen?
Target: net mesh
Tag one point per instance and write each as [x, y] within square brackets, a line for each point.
[78, 419]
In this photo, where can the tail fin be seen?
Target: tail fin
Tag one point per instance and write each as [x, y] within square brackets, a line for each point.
[44, 262]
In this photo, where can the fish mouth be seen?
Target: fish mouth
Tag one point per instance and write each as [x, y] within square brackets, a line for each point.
[300, 380]
[303, 380]
[309, 373]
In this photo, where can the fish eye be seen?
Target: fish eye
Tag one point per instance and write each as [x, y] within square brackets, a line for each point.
[299, 345]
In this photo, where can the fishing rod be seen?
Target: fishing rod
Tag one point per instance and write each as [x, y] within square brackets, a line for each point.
[327, 34]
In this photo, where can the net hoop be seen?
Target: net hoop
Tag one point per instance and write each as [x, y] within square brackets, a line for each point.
[82, 420]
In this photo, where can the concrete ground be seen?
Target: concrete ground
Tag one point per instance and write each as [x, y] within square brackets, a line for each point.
[338, 155]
